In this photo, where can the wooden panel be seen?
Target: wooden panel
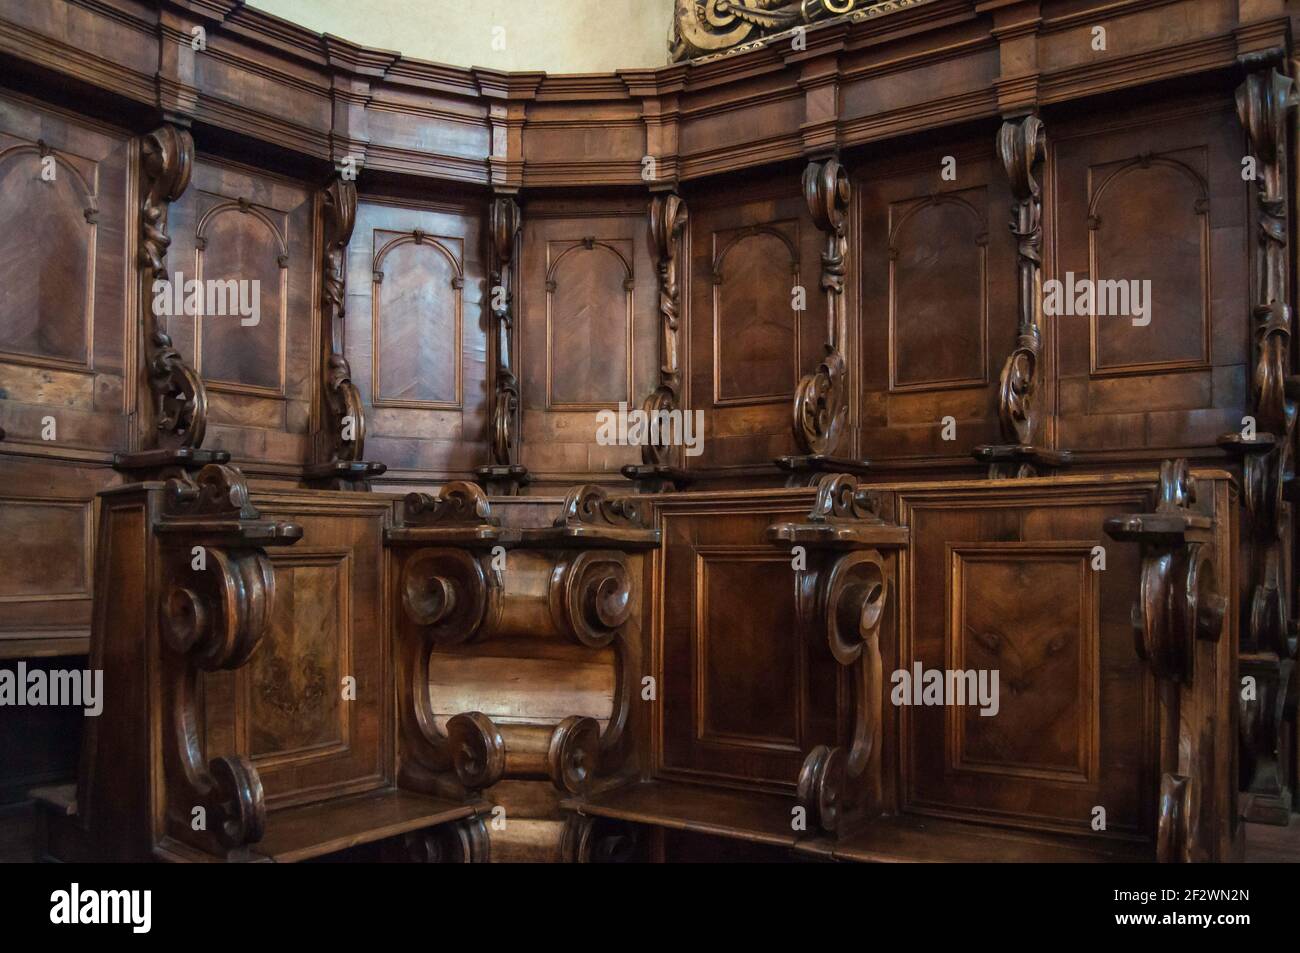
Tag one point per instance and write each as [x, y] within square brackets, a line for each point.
[586, 312]
[1149, 221]
[417, 320]
[748, 660]
[744, 698]
[589, 314]
[242, 243]
[417, 338]
[755, 327]
[1074, 726]
[1158, 199]
[1030, 613]
[52, 560]
[47, 302]
[296, 681]
[938, 302]
[287, 709]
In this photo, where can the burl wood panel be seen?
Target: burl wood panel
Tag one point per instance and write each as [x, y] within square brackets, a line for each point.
[587, 317]
[744, 695]
[938, 314]
[237, 223]
[416, 338]
[1161, 200]
[1005, 581]
[750, 247]
[287, 709]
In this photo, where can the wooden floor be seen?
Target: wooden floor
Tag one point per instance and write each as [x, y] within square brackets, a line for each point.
[1277, 845]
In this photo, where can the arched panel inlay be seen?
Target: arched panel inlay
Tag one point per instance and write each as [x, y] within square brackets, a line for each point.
[1148, 220]
[938, 292]
[417, 302]
[47, 259]
[756, 346]
[237, 244]
[589, 308]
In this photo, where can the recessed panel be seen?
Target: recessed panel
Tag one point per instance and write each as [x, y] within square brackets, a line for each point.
[52, 561]
[755, 326]
[937, 295]
[241, 261]
[417, 316]
[589, 323]
[47, 251]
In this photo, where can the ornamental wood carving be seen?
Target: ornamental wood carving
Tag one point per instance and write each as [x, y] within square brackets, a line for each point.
[707, 28]
[661, 464]
[1022, 147]
[1264, 103]
[841, 599]
[504, 475]
[212, 619]
[1179, 606]
[344, 423]
[180, 398]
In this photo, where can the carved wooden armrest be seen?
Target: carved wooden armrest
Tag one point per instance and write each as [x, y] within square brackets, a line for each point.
[570, 580]
[1179, 603]
[842, 596]
[218, 591]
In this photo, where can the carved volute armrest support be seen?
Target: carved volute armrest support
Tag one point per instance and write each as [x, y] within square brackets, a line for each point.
[504, 476]
[597, 840]
[1180, 600]
[592, 519]
[460, 842]
[1179, 604]
[841, 598]
[218, 592]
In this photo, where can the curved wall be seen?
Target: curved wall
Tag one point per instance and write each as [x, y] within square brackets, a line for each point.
[559, 36]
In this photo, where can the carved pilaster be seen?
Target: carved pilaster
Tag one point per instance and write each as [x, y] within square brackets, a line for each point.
[1179, 608]
[1267, 448]
[504, 475]
[1022, 148]
[215, 609]
[343, 425]
[821, 402]
[178, 414]
[661, 464]
[841, 599]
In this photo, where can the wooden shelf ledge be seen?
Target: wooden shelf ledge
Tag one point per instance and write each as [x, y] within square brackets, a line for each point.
[313, 830]
[766, 819]
[739, 815]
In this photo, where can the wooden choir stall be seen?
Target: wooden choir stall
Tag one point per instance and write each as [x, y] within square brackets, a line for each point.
[967, 535]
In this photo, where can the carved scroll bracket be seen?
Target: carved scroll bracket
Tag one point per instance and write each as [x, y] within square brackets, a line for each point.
[1179, 605]
[453, 590]
[841, 597]
[821, 402]
[180, 400]
[505, 475]
[661, 464]
[215, 610]
[1022, 147]
[343, 427]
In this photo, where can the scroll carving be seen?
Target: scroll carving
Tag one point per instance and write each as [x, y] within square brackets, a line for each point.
[212, 619]
[821, 403]
[1179, 605]
[1264, 103]
[1022, 148]
[181, 401]
[461, 842]
[594, 840]
[661, 463]
[344, 416]
[711, 28]
[841, 598]
[504, 475]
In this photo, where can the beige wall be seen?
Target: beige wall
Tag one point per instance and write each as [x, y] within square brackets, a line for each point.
[559, 36]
